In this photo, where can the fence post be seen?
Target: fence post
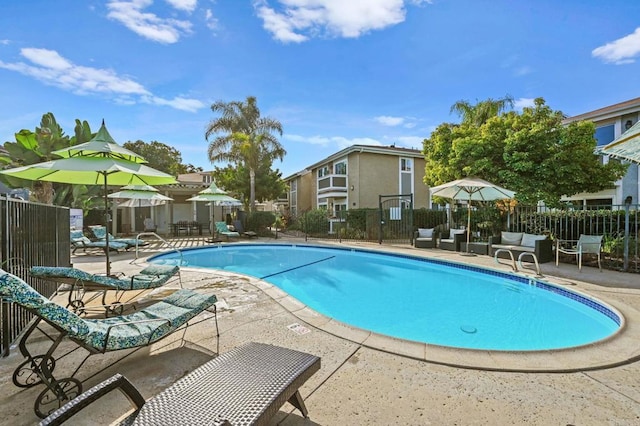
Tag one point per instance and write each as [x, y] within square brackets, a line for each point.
[627, 204]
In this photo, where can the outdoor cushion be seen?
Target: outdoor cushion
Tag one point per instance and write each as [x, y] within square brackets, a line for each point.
[511, 238]
[453, 232]
[63, 318]
[425, 233]
[529, 240]
[152, 276]
[13, 289]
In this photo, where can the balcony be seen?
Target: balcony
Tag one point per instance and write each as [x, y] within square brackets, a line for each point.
[332, 184]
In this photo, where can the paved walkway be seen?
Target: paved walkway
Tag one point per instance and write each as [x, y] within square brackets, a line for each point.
[358, 384]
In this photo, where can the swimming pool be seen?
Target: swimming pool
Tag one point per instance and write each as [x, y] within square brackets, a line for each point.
[418, 299]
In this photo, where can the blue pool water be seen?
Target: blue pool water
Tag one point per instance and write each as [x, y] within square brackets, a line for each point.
[418, 299]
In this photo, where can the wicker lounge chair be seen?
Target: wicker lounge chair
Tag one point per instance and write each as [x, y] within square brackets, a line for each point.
[80, 241]
[100, 233]
[245, 386]
[81, 282]
[96, 336]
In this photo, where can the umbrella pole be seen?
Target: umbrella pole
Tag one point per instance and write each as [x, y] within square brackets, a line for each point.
[466, 253]
[106, 224]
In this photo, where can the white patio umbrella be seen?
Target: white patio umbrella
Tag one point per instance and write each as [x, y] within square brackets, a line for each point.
[471, 189]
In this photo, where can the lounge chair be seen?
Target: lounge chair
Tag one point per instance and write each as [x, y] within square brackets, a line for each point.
[100, 233]
[80, 241]
[223, 229]
[245, 386]
[237, 226]
[586, 244]
[96, 336]
[152, 276]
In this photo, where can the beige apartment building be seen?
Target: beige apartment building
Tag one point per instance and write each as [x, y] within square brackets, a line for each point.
[355, 178]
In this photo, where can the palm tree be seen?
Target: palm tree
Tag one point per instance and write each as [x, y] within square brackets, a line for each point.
[244, 138]
[482, 111]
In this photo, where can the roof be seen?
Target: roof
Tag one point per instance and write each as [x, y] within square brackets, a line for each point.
[611, 111]
[374, 149]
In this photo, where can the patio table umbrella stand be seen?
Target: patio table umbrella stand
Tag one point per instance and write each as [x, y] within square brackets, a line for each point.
[101, 161]
[471, 189]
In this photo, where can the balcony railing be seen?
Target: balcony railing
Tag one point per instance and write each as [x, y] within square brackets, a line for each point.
[332, 183]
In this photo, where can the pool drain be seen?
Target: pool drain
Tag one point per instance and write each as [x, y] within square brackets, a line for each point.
[468, 329]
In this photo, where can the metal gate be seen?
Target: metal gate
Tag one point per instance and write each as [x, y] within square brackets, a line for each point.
[396, 218]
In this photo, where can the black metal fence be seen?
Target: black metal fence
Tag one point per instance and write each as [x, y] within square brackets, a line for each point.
[394, 225]
[30, 234]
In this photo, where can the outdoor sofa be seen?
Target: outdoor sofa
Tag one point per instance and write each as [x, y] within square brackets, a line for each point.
[522, 242]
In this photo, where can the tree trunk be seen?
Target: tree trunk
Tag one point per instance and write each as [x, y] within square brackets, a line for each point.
[252, 190]
[43, 192]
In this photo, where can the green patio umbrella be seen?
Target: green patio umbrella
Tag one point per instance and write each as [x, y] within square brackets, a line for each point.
[140, 196]
[100, 161]
[213, 194]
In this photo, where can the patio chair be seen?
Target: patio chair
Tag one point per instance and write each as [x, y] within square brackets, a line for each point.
[100, 233]
[81, 282]
[237, 226]
[451, 240]
[80, 241]
[223, 229]
[149, 225]
[586, 244]
[96, 336]
[245, 386]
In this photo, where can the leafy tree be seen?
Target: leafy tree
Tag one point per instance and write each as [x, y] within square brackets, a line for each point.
[161, 157]
[236, 180]
[531, 153]
[244, 138]
[482, 111]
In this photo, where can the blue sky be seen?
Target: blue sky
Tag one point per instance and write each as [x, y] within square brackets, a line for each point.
[333, 72]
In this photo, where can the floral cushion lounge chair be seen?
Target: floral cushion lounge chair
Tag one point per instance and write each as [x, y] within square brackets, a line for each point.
[100, 233]
[96, 336]
[80, 241]
[223, 229]
[153, 276]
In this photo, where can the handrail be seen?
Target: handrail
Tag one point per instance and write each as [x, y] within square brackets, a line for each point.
[513, 261]
[535, 260]
[148, 234]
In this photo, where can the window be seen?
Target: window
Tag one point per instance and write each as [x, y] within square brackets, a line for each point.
[206, 178]
[605, 134]
[406, 164]
[340, 168]
[323, 171]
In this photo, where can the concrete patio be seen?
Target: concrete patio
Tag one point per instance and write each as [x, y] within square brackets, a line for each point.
[358, 384]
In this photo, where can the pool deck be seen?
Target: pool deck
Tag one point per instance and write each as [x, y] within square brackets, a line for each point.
[363, 379]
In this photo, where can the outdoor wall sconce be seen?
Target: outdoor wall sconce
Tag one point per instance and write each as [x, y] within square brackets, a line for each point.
[628, 125]
[351, 187]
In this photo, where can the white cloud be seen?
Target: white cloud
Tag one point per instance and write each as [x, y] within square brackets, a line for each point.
[186, 5]
[296, 21]
[49, 67]
[521, 103]
[148, 25]
[620, 51]
[212, 21]
[389, 121]
[4, 41]
[523, 70]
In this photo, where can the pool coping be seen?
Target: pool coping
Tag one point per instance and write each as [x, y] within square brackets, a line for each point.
[621, 348]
